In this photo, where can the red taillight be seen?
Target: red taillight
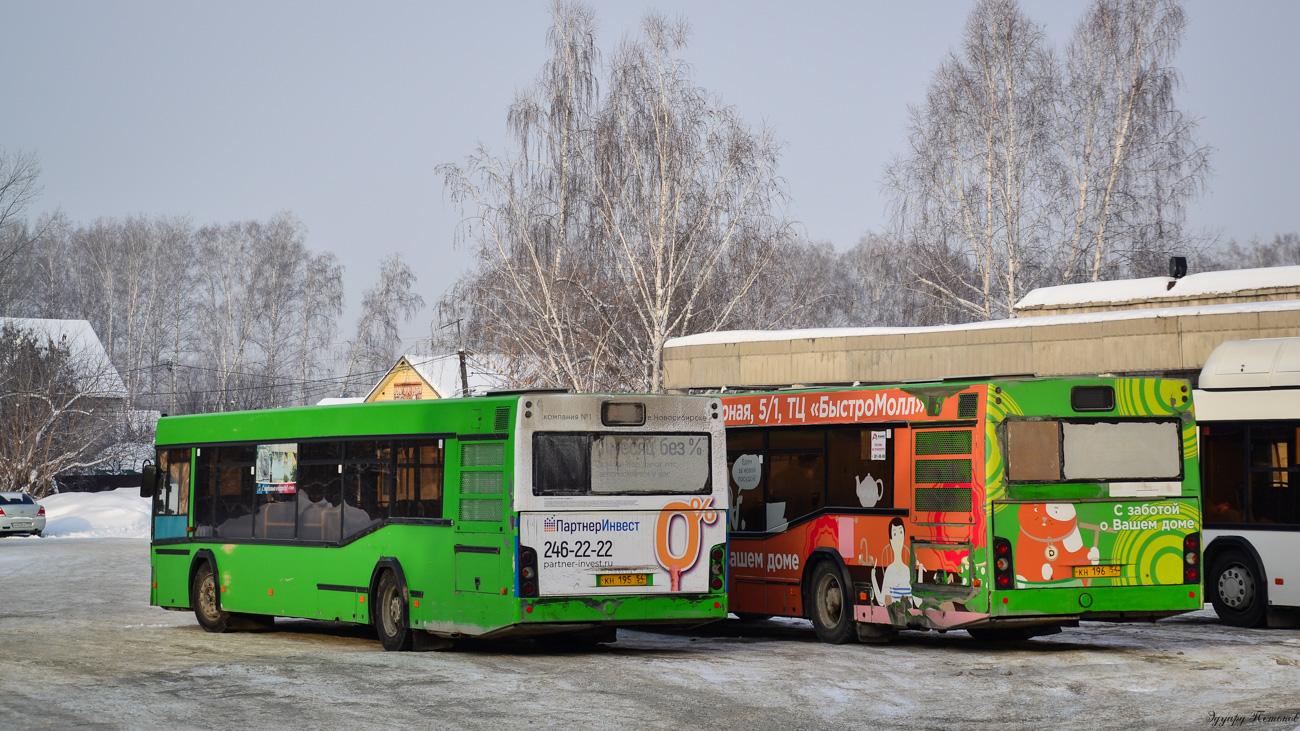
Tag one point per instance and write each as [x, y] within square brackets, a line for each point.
[1003, 565]
[717, 567]
[1192, 559]
[716, 583]
[2, 512]
[41, 511]
[527, 580]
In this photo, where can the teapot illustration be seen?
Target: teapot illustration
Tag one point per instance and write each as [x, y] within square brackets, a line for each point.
[870, 490]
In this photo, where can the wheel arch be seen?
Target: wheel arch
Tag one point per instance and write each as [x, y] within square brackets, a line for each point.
[818, 556]
[1226, 543]
[201, 556]
[386, 563]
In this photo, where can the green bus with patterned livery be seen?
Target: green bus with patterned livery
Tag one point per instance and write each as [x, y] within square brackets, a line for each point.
[536, 514]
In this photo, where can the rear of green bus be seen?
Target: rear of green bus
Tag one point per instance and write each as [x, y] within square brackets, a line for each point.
[621, 505]
[1094, 498]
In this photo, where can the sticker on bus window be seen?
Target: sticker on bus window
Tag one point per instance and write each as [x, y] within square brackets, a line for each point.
[277, 468]
[878, 445]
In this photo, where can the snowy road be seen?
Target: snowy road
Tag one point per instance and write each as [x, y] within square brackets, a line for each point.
[80, 647]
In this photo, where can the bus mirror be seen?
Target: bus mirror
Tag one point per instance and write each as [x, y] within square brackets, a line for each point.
[148, 480]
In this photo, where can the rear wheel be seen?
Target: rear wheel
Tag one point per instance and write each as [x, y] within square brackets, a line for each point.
[207, 606]
[1236, 589]
[831, 612]
[391, 622]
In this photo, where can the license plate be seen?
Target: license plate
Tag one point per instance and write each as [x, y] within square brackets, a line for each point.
[1097, 572]
[623, 580]
[22, 524]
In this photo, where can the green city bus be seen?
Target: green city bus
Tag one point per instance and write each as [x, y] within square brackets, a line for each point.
[1005, 507]
[510, 515]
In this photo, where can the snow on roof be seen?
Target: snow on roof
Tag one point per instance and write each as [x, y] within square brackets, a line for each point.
[1156, 288]
[97, 373]
[337, 400]
[442, 373]
[755, 336]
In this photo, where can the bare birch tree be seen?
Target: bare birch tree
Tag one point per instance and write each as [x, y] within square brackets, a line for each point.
[621, 219]
[1132, 155]
[977, 172]
[391, 302]
[19, 172]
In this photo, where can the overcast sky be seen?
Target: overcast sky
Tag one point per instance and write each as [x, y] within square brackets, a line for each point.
[340, 113]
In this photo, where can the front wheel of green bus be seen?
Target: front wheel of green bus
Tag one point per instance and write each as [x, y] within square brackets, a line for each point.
[391, 618]
[207, 608]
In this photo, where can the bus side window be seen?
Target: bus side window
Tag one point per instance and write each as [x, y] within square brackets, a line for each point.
[1223, 471]
[365, 486]
[796, 474]
[320, 480]
[861, 467]
[748, 508]
[204, 472]
[236, 489]
[173, 495]
[418, 490]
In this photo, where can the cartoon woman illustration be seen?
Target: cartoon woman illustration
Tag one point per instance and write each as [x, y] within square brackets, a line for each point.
[897, 584]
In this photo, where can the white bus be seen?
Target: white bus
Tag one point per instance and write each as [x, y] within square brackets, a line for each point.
[1248, 410]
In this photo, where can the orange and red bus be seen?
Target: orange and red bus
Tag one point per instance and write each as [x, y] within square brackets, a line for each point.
[1005, 507]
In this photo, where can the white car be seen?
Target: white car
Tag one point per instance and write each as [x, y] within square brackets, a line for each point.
[19, 513]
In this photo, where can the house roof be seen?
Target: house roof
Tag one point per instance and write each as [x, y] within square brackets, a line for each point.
[442, 374]
[95, 371]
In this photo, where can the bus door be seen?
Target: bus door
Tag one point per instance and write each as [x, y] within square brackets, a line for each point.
[476, 477]
[947, 464]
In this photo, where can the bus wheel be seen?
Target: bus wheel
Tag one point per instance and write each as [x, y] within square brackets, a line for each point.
[1235, 589]
[390, 614]
[204, 598]
[832, 615]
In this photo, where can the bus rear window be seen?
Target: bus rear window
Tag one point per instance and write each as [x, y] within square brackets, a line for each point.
[1098, 451]
[621, 464]
[1130, 450]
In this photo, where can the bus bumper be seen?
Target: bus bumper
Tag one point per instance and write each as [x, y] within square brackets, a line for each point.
[1111, 603]
[625, 611]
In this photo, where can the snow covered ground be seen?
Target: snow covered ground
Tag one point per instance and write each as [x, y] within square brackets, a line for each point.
[118, 513]
[82, 647]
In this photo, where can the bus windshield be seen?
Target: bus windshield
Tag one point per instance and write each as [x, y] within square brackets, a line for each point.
[621, 464]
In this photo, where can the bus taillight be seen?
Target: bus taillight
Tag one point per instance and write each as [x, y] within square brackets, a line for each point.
[717, 555]
[1192, 559]
[527, 572]
[1003, 566]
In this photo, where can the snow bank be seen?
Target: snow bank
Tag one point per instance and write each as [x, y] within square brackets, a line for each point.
[120, 513]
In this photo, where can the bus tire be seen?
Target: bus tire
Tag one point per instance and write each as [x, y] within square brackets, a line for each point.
[830, 609]
[391, 618]
[206, 602]
[1236, 589]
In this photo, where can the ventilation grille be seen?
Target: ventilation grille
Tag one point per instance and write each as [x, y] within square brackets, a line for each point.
[943, 442]
[943, 470]
[480, 483]
[482, 454]
[943, 500]
[968, 405]
[501, 421]
[480, 510]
